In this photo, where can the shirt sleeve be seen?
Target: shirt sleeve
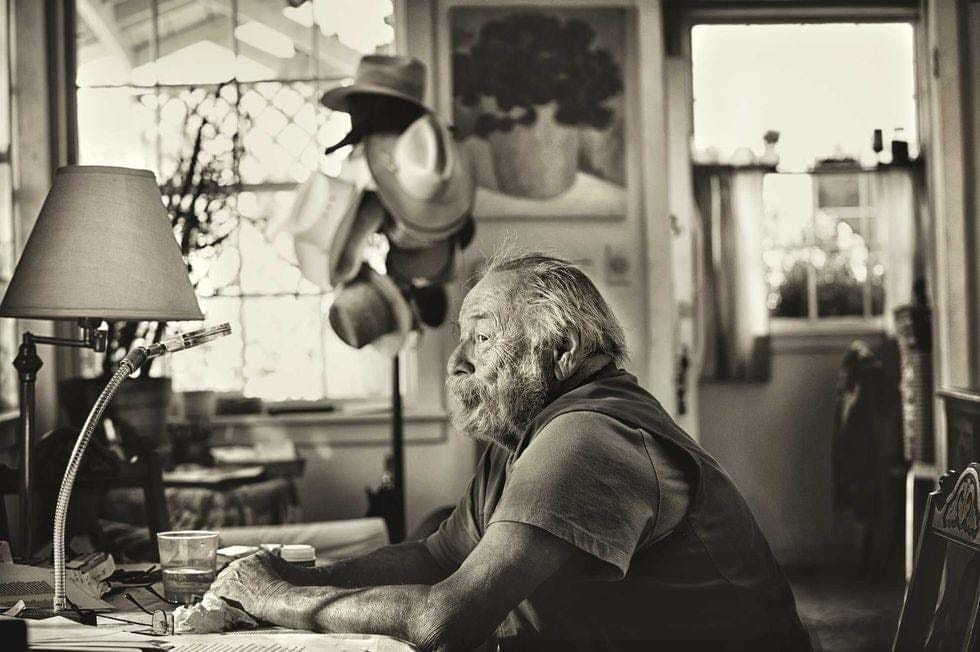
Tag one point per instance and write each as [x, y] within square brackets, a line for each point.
[587, 479]
[458, 534]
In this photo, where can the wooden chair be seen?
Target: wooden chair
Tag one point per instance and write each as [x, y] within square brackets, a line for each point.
[942, 600]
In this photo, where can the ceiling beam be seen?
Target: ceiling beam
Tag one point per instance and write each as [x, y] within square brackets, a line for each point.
[102, 23]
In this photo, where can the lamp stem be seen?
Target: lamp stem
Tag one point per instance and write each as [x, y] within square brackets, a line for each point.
[27, 364]
[126, 367]
[397, 454]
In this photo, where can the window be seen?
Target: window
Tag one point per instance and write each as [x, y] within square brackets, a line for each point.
[8, 327]
[806, 100]
[821, 252]
[244, 78]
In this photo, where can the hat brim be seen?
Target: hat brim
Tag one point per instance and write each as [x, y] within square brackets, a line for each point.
[433, 219]
[391, 343]
[327, 234]
[336, 98]
[346, 249]
[421, 267]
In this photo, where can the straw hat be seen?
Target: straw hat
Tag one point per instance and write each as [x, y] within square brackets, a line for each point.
[371, 310]
[422, 182]
[381, 74]
[331, 220]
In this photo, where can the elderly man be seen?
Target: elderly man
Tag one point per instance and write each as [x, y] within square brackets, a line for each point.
[592, 522]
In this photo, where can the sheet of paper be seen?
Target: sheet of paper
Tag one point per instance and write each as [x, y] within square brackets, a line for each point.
[286, 642]
[59, 630]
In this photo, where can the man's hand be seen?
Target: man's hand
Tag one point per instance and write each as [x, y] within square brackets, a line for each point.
[253, 582]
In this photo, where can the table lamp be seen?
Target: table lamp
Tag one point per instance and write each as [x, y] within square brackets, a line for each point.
[102, 248]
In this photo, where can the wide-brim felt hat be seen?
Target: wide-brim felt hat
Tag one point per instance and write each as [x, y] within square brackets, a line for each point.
[420, 267]
[427, 187]
[380, 74]
[371, 310]
[430, 304]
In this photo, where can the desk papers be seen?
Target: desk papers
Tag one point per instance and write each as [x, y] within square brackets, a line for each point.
[285, 641]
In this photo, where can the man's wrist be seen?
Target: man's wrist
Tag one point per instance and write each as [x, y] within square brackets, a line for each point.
[273, 600]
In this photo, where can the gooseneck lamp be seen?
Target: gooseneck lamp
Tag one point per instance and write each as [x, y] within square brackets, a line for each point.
[102, 248]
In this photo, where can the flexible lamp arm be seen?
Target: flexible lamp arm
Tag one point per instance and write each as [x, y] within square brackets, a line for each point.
[74, 462]
[130, 364]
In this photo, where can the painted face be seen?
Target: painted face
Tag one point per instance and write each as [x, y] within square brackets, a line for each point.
[498, 381]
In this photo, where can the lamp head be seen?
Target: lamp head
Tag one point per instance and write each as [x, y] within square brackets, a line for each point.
[102, 247]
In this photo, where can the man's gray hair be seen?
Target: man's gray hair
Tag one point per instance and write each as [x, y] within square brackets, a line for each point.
[559, 298]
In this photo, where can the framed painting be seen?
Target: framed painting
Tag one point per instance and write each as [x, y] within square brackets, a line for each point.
[539, 99]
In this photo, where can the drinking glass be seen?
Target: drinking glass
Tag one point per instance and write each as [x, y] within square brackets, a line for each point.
[189, 562]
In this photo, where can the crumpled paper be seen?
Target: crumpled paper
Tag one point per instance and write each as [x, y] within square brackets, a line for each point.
[209, 616]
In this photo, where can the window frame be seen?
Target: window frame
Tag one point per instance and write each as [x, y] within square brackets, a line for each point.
[679, 23]
[421, 382]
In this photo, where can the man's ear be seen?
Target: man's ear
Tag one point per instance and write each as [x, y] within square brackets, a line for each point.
[568, 357]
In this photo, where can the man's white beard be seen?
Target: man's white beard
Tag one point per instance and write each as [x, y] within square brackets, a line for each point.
[499, 411]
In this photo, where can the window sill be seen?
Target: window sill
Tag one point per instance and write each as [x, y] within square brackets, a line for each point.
[831, 335]
[779, 326]
[338, 417]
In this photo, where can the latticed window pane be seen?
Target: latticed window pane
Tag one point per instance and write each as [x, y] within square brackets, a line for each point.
[283, 347]
[230, 89]
[215, 365]
[117, 126]
[287, 133]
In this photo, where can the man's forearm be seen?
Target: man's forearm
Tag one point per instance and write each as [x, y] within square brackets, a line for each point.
[404, 612]
[403, 563]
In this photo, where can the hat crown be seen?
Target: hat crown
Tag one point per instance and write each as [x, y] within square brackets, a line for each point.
[422, 158]
[405, 75]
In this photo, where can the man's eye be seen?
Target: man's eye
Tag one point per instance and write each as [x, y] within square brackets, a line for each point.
[481, 338]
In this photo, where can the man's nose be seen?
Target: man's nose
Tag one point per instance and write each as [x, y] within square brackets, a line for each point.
[459, 361]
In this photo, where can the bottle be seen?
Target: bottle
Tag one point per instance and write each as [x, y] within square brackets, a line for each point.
[299, 554]
[900, 147]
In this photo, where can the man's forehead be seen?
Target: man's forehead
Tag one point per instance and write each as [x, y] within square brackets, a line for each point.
[488, 296]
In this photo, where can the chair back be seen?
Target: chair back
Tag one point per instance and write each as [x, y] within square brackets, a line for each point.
[941, 602]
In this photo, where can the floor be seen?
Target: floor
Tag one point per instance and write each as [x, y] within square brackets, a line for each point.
[847, 614]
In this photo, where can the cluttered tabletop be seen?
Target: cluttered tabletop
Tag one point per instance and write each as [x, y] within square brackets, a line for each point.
[138, 613]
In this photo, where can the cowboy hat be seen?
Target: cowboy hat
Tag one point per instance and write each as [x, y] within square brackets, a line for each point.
[381, 74]
[422, 182]
[331, 220]
[371, 310]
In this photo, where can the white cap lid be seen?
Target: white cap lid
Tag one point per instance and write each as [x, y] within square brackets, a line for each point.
[297, 552]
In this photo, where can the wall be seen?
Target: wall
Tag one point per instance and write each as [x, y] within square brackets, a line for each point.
[774, 439]
[641, 294]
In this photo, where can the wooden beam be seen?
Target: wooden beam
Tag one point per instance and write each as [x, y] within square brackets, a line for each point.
[101, 21]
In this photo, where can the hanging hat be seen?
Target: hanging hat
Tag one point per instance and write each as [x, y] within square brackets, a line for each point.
[430, 304]
[422, 182]
[371, 310]
[419, 267]
[381, 74]
[465, 235]
[331, 220]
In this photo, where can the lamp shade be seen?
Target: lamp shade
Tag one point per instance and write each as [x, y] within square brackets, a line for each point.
[103, 248]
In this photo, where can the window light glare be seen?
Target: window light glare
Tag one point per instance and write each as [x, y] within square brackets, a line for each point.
[358, 24]
[266, 39]
[302, 14]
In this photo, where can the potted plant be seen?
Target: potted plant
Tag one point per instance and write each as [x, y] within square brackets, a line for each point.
[533, 79]
[196, 196]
